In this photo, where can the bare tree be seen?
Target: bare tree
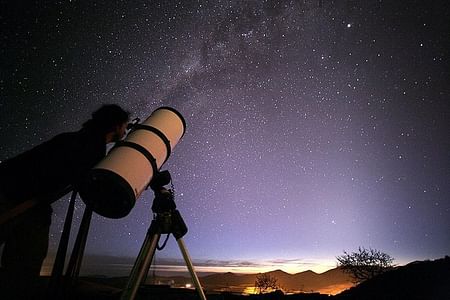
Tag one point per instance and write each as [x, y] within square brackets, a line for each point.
[264, 282]
[365, 264]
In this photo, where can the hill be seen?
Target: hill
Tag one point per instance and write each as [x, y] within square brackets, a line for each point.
[331, 282]
[421, 280]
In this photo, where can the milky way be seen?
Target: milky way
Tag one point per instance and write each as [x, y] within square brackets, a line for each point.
[313, 127]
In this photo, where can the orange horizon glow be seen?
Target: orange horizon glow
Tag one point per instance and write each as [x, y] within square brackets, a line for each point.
[254, 267]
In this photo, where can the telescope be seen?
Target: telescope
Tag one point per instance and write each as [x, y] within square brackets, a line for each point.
[112, 187]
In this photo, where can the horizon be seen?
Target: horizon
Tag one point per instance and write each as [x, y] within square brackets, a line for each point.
[121, 266]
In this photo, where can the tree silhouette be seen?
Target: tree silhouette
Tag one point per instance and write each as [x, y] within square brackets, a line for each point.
[265, 282]
[365, 264]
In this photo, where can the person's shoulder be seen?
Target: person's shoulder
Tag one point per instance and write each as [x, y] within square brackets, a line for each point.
[62, 141]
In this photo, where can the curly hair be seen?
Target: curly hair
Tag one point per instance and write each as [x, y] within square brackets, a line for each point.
[106, 118]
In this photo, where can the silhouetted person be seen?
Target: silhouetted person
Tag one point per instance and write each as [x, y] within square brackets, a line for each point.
[45, 173]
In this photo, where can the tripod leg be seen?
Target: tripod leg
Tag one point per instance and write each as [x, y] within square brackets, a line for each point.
[73, 268]
[141, 265]
[58, 266]
[190, 267]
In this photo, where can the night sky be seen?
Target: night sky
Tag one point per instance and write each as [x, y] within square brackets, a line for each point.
[313, 127]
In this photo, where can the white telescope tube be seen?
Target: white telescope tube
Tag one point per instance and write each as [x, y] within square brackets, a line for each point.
[112, 187]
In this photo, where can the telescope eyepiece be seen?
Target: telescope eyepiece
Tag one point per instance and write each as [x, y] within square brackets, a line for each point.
[133, 123]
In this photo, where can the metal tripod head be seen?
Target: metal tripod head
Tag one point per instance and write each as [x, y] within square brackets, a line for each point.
[164, 199]
[167, 219]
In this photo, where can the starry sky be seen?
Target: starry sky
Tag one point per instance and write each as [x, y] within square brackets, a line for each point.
[313, 127]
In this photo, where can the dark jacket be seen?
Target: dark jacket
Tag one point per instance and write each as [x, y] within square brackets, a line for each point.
[50, 169]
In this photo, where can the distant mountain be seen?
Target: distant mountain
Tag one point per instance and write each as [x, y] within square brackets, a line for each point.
[421, 280]
[424, 280]
[332, 281]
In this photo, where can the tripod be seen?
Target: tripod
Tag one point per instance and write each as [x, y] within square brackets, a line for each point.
[166, 220]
